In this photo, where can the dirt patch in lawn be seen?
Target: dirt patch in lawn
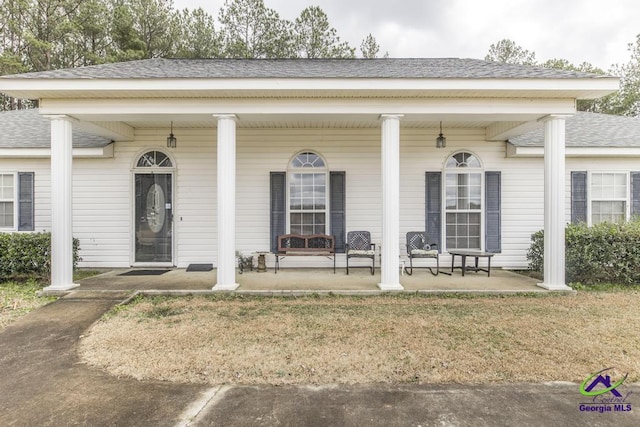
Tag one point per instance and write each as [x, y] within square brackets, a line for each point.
[415, 339]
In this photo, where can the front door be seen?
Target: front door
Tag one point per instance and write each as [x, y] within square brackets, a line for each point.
[153, 218]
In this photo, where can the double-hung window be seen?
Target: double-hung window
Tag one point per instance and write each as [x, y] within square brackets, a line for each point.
[463, 201]
[609, 197]
[16, 201]
[307, 199]
[307, 194]
[7, 200]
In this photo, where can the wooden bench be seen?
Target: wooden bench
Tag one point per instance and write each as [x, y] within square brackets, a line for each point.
[309, 245]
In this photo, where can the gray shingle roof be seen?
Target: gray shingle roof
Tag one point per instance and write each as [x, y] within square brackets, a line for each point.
[427, 68]
[590, 130]
[28, 129]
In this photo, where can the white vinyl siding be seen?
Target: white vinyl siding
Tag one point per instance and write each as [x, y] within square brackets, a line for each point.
[261, 151]
[103, 200]
[102, 193]
[522, 191]
[102, 188]
[195, 178]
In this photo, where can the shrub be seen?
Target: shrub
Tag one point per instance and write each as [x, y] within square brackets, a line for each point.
[25, 255]
[535, 254]
[604, 253]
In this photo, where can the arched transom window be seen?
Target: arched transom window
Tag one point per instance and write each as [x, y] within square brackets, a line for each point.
[307, 194]
[463, 201]
[154, 159]
[307, 160]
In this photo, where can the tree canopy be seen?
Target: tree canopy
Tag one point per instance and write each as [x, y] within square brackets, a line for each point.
[315, 38]
[508, 52]
[625, 102]
[40, 35]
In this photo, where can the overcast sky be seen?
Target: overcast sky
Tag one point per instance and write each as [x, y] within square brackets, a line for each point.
[595, 31]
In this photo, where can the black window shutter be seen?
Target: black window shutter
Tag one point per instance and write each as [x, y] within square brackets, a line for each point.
[493, 233]
[338, 208]
[26, 220]
[433, 207]
[635, 194]
[278, 191]
[578, 197]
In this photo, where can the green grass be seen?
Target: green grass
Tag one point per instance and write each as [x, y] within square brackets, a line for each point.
[605, 287]
[25, 290]
[18, 299]
[600, 287]
[84, 274]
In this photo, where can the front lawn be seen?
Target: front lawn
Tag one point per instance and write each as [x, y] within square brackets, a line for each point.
[18, 299]
[392, 339]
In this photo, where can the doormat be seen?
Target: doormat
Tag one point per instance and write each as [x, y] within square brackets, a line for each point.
[143, 273]
[200, 267]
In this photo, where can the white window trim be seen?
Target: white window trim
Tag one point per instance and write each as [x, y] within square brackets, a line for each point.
[443, 219]
[591, 199]
[318, 170]
[15, 201]
[151, 169]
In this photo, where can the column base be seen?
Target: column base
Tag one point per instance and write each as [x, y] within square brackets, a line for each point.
[551, 287]
[229, 287]
[58, 288]
[388, 287]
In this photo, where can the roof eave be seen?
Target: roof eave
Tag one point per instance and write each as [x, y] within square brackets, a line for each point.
[514, 151]
[579, 88]
[45, 152]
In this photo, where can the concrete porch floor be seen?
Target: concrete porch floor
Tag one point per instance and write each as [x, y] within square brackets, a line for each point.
[299, 280]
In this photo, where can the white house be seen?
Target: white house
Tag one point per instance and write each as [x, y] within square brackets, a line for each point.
[265, 147]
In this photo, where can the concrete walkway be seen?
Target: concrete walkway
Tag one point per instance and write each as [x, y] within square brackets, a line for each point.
[43, 383]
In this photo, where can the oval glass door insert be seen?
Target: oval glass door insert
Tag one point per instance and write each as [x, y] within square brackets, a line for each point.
[155, 208]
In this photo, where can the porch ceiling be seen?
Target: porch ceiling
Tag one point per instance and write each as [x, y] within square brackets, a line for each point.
[300, 122]
[307, 113]
[122, 128]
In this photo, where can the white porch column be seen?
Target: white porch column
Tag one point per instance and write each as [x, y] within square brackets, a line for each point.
[554, 201]
[61, 204]
[226, 166]
[389, 270]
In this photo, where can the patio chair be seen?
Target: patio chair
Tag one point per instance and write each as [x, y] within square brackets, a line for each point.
[358, 245]
[418, 247]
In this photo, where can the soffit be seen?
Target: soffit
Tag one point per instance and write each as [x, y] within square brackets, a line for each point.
[308, 88]
[315, 123]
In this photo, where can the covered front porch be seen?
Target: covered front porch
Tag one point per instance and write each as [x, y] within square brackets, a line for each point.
[237, 201]
[295, 281]
[375, 122]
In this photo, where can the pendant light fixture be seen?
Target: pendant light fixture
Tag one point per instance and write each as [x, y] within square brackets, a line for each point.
[441, 141]
[172, 142]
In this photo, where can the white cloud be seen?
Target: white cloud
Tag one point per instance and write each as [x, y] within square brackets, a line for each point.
[577, 30]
